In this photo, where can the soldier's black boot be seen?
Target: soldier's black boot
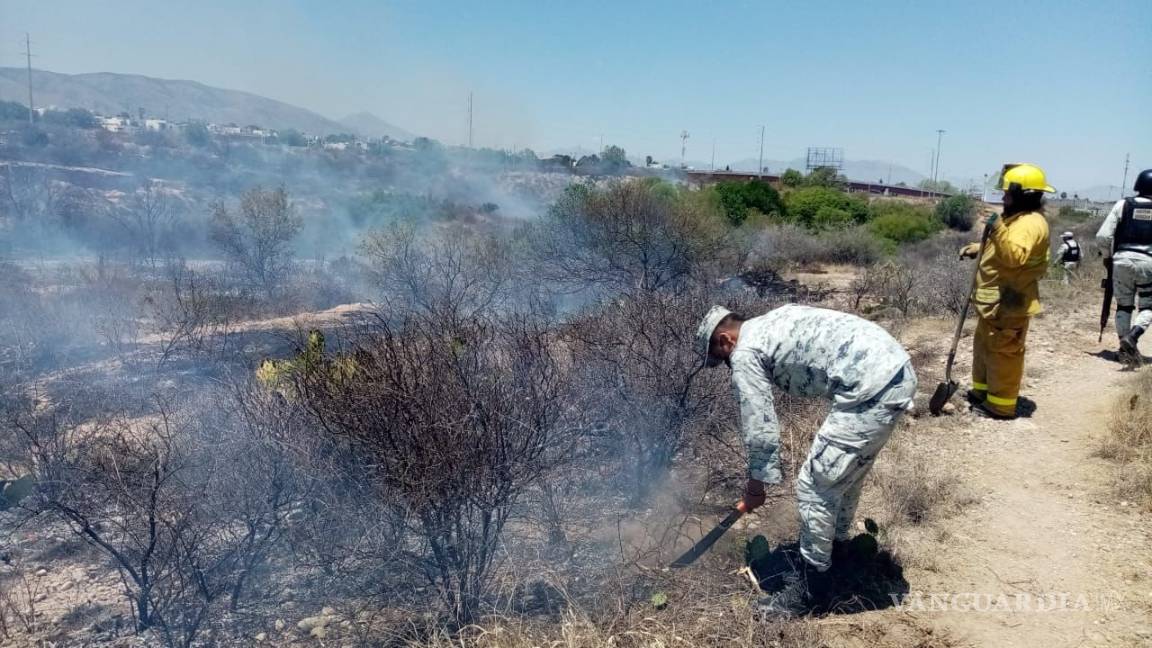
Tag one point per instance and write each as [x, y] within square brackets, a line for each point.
[797, 597]
[1129, 354]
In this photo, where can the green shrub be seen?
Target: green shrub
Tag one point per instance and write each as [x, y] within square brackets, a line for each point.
[803, 206]
[737, 199]
[901, 222]
[957, 212]
[831, 218]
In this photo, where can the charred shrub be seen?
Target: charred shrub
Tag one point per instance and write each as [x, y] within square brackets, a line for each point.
[452, 422]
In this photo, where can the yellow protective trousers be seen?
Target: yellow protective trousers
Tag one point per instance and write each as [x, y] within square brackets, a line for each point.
[998, 361]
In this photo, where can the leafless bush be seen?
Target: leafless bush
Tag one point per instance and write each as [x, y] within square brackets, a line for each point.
[113, 299]
[185, 519]
[632, 236]
[146, 219]
[188, 310]
[452, 423]
[913, 285]
[453, 276]
[257, 238]
[636, 356]
[18, 597]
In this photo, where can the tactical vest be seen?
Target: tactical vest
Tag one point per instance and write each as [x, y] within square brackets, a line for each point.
[1135, 228]
[1072, 253]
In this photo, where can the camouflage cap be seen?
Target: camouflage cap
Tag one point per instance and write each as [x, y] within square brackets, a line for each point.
[704, 333]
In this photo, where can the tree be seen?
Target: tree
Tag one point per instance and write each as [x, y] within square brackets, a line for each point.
[792, 178]
[824, 177]
[613, 159]
[738, 199]
[146, 217]
[902, 222]
[957, 212]
[258, 237]
[938, 186]
[631, 236]
[13, 111]
[72, 118]
[196, 134]
[292, 137]
[810, 207]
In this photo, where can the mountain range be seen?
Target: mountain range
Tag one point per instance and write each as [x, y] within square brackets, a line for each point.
[111, 93]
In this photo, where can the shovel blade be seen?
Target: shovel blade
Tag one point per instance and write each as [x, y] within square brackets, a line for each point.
[940, 397]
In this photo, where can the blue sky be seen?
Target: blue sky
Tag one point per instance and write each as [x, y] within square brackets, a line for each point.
[1065, 84]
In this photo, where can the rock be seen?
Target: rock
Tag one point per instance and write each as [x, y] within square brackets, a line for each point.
[42, 572]
[313, 622]
[327, 611]
[949, 408]
[261, 636]
[319, 632]
[279, 625]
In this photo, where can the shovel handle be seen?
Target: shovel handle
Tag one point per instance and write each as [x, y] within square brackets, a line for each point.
[964, 309]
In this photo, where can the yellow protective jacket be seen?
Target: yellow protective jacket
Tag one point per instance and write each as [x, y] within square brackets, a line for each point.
[1016, 257]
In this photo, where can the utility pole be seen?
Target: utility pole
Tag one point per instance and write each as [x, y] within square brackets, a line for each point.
[713, 153]
[760, 162]
[469, 120]
[28, 55]
[1124, 184]
[936, 167]
[683, 148]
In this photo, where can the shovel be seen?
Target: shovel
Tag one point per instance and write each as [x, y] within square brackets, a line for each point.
[945, 389]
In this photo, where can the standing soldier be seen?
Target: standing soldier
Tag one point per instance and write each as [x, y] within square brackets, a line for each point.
[812, 352]
[1068, 255]
[1125, 239]
[1008, 291]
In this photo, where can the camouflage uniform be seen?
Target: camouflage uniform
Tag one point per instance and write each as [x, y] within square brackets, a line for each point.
[852, 362]
[1132, 270]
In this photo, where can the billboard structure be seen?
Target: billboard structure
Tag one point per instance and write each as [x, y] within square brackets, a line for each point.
[825, 157]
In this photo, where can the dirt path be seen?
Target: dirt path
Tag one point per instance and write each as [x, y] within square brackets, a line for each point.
[1049, 556]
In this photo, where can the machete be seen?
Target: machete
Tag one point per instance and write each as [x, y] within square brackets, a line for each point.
[705, 543]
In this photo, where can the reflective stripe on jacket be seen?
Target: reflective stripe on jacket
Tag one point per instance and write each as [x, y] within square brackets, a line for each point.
[1016, 257]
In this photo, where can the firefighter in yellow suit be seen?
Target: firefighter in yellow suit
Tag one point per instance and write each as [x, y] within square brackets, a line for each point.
[1007, 291]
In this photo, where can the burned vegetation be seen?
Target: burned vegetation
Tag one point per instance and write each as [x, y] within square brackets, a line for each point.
[461, 425]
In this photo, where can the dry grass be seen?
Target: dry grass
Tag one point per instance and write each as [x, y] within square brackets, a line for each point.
[727, 624]
[910, 494]
[1129, 441]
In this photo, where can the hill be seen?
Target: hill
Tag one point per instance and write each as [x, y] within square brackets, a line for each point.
[369, 125]
[111, 93]
[861, 170]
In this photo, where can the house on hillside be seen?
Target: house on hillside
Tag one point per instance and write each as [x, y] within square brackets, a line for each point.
[157, 125]
[229, 129]
[117, 124]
